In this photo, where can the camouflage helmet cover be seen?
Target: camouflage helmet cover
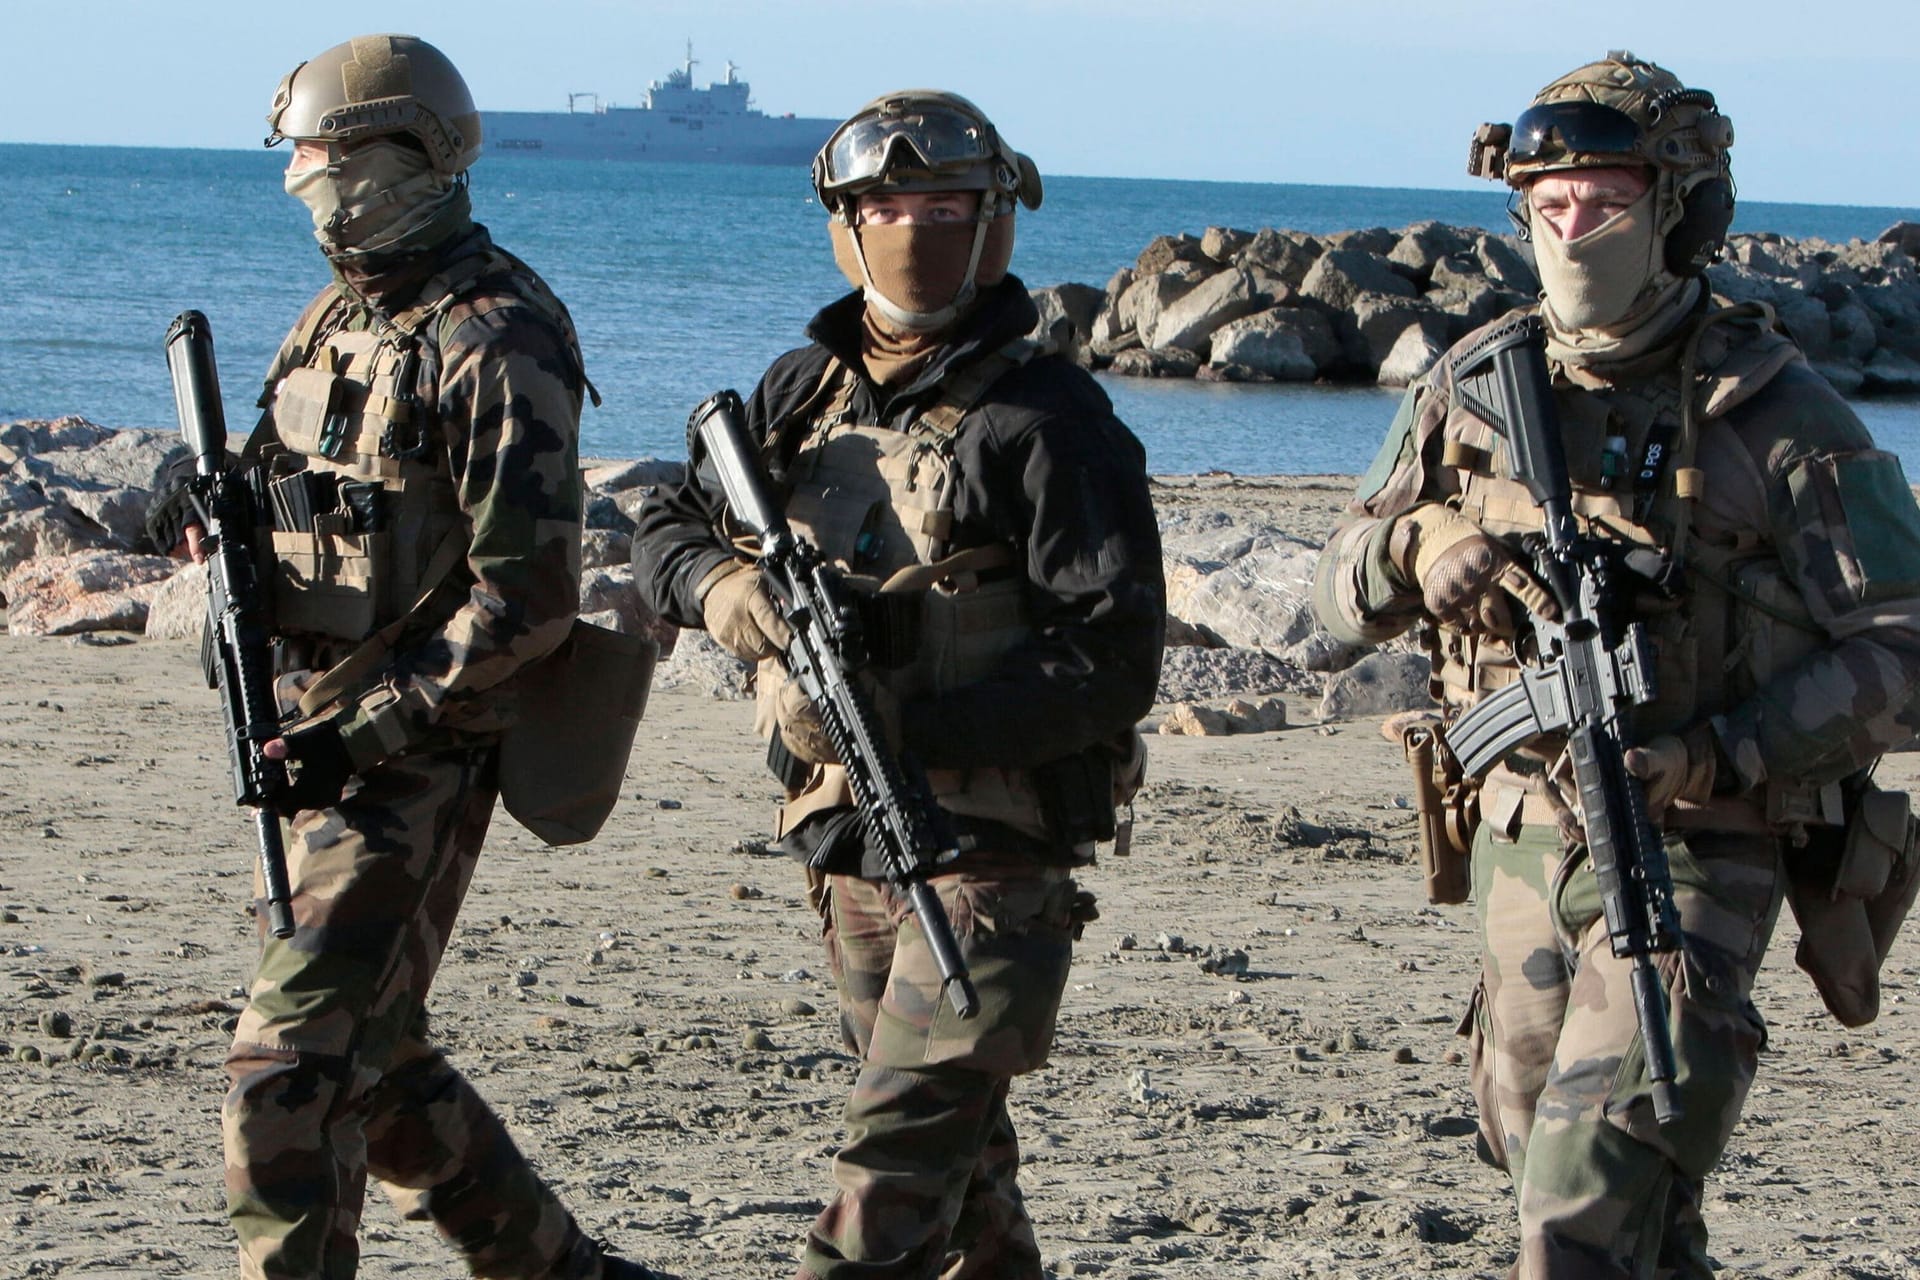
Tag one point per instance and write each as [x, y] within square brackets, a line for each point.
[923, 140]
[375, 86]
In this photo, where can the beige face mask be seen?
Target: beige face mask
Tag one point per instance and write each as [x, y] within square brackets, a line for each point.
[919, 270]
[1595, 281]
[370, 199]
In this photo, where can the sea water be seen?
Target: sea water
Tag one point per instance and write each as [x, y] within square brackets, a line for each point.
[682, 278]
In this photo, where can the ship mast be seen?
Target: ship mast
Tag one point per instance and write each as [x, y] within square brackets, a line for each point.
[691, 64]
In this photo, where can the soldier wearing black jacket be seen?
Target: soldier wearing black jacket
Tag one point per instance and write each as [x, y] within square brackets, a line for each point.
[988, 496]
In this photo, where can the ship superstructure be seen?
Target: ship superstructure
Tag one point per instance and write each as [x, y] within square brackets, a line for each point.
[675, 122]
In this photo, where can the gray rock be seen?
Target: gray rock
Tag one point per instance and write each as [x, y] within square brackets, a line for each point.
[91, 591]
[44, 435]
[1892, 372]
[617, 476]
[1904, 236]
[1321, 651]
[1189, 323]
[1223, 244]
[178, 610]
[1343, 275]
[1138, 362]
[1372, 328]
[1372, 240]
[1379, 684]
[1067, 313]
[1280, 253]
[1262, 716]
[604, 512]
[1854, 334]
[1262, 599]
[699, 663]
[1194, 674]
[604, 547]
[1163, 252]
[608, 590]
[1270, 343]
[1414, 352]
[1845, 378]
[34, 527]
[1424, 244]
[1810, 324]
[1506, 265]
[1195, 720]
[1140, 306]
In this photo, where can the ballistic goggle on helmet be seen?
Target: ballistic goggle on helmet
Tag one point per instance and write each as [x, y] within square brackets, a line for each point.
[377, 86]
[923, 140]
[1625, 111]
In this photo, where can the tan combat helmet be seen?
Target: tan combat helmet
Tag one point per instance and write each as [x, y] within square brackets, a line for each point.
[1625, 111]
[374, 86]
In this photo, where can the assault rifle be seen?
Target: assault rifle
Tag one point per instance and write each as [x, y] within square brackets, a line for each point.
[895, 802]
[1586, 671]
[240, 658]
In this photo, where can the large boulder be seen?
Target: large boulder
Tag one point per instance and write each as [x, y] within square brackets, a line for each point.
[178, 610]
[1379, 684]
[1415, 351]
[1374, 240]
[1891, 372]
[1503, 262]
[1140, 307]
[1373, 327]
[33, 526]
[1067, 313]
[1223, 244]
[1288, 255]
[616, 477]
[1342, 276]
[1189, 323]
[1163, 252]
[1424, 245]
[1138, 362]
[1262, 599]
[699, 663]
[1904, 236]
[1272, 344]
[92, 591]
[1190, 674]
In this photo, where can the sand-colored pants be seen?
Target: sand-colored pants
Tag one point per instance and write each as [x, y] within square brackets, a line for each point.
[331, 1076]
[926, 1183]
[1558, 1064]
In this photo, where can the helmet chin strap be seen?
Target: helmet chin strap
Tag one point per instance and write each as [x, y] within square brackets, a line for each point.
[926, 321]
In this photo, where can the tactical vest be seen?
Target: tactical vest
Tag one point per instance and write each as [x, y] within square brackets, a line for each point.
[365, 516]
[879, 502]
[1724, 616]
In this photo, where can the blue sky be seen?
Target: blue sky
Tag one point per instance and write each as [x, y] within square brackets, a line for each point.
[1370, 92]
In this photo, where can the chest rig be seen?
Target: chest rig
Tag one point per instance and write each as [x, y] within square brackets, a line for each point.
[879, 501]
[1720, 609]
[365, 517]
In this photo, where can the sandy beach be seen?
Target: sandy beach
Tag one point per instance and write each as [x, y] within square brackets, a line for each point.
[1256, 1075]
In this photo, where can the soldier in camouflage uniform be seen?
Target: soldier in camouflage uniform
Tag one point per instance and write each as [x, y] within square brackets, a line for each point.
[418, 451]
[922, 440]
[1777, 558]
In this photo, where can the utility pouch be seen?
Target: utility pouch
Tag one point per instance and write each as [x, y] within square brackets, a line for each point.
[1076, 793]
[328, 582]
[309, 413]
[1446, 803]
[563, 761]
[1851, 890]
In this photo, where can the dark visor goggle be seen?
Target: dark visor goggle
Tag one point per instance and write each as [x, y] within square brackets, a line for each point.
[933, 138]
[1555, 129]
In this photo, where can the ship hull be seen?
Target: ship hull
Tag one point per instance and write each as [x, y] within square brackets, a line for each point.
[635, 133]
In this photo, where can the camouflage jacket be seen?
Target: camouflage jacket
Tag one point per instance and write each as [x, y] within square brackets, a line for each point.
[503, 380]
[1795, 631]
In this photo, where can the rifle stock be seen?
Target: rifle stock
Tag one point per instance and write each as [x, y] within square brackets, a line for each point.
[1586, 673]
[892, 794]
[236, 610]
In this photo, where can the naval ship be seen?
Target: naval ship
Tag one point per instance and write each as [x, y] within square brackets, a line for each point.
[676, 123]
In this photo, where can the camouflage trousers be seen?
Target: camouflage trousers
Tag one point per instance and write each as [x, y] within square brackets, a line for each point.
[331, 1076]
[1559, 1067]
[926, 1180]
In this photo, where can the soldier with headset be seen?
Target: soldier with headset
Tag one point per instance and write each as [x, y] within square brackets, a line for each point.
[1774, 558]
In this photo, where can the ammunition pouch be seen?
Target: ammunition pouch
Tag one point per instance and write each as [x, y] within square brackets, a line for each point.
[563, 761]
[1851, 888]
[1447, 806]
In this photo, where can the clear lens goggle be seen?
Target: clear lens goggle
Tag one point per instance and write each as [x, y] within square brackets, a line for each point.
[931, 137]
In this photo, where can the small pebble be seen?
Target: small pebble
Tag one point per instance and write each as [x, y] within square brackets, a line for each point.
[798, 1008]
[668, 804]
[1404, 1054]
[744, 893]
[756, 1038]
[27, 1053]
[57, 1023]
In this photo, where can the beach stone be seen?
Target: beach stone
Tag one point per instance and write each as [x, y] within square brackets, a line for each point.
[32, 527]
[1375, 326]
[1140, 307]
[1163, 252]
[1194, 674]
[608, 590]
[1139, 362]
[90, 591]
[1195, 720]
[1423, 245]
[1189, 323]
[1269, 344]
[600, 547]
[1342, 276]
[1223, 244]
[1379, 684]
[637, 473]
[1374, 240]
[178, 610]
[1845, 378]
[1855, 335]
[603, 511]
[1503, 262]
[1892, 372]
[1067, 313]
[1263, 716]
[1280, 254]
[1322, 652]
[1262, 599]
[699, 663]
[1903, 236]
[1419, 346]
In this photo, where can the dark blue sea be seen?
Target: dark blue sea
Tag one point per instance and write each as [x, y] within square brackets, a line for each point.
[683, 279]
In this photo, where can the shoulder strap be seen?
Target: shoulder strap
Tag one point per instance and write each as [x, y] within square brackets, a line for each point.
[963, 390]
[351, 672]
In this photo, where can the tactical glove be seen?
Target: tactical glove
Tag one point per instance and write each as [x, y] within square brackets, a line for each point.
[319, 768]
[1673, 768]
[1463, 574]
[800, 727]
[740, 615]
